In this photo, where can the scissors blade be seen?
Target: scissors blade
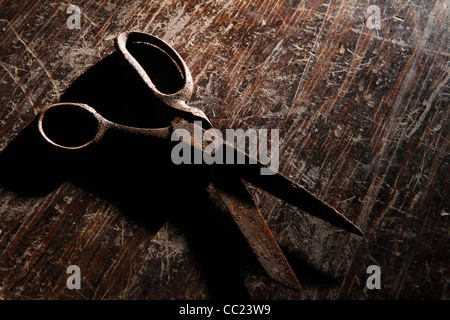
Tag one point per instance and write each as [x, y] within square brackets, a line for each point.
[294, 194]
[234, 195]
[287, 190]
[276, 184]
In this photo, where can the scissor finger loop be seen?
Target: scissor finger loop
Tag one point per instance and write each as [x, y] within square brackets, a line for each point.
[71, 125]
[174, 97]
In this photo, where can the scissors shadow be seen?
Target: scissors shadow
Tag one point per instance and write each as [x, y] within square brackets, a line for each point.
[137, 174]
[133, 172]
[146, 187]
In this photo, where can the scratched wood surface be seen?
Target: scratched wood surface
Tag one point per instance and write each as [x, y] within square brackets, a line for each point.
[363, 117]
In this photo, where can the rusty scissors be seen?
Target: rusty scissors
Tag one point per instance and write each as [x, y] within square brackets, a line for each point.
[226, 183]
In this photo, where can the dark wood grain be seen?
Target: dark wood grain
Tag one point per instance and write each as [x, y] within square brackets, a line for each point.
[363, 116]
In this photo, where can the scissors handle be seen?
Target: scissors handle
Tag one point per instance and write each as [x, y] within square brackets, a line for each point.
[71, 125]
[76, 125]
[164, 71]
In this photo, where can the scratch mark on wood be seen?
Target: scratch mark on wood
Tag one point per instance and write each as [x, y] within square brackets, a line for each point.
[55, 86]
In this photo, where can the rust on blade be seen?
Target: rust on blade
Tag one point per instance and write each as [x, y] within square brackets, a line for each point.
[240, 205]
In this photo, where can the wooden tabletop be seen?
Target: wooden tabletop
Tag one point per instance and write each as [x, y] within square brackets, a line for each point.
[363, 117]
